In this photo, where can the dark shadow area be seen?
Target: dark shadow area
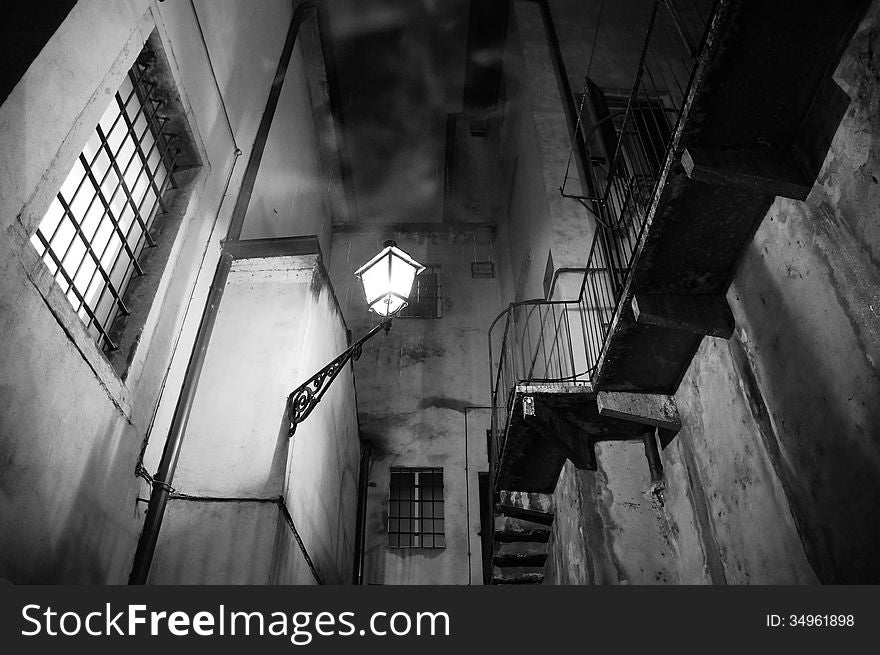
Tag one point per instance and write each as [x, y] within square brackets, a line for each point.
[26, 27]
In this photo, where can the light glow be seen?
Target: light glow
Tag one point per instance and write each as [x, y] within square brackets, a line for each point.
[388, 279]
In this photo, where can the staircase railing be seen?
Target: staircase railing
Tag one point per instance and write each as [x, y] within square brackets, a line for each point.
[553, 342]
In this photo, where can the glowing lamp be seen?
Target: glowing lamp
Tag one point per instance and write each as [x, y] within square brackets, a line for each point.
[388, 279]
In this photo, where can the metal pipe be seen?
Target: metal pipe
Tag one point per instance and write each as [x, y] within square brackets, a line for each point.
[655, 464]
[195, 14]
[253, 165]
[569, 105]
[146, 547]
[467, 491]
[360, 526]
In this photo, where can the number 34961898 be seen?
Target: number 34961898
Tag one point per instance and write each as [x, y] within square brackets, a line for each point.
[810, 620]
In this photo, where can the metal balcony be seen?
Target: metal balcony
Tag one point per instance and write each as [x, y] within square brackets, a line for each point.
[682, 174]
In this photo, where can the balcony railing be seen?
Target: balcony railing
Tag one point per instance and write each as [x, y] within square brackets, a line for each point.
[559, 342]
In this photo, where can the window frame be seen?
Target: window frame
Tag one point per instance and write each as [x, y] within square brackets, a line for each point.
[414, 303]
[118, 371]
[416, 536]
[112, 246]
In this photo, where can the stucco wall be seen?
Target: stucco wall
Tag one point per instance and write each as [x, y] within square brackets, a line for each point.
[610, 525]
[298, 188]
[805, 362]
[278, 324]
[534, 155]
[70, 428]
[414, 388]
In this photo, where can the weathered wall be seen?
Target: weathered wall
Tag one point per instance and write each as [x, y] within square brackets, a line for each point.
[320, 486]
[523, 236]
[278, 323]
[474, 189]
[805, 364]
[414, 388]
[70, 428]
[535, 151]
[773, 478]
[750, 524]
[297, 189]
[610, 525]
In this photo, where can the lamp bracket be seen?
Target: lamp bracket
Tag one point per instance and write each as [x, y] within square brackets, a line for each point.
[303, 399]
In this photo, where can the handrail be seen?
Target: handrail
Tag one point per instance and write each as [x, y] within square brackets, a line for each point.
[555, 341]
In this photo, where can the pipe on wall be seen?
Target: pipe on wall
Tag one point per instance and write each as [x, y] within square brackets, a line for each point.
[360, 527]
[146, 546]
[467, 490]
[568, 98]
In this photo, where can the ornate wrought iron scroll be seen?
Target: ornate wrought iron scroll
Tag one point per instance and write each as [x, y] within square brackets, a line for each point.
[303, 399]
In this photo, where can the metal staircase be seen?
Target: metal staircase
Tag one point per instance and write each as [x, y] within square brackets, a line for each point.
[680, 178]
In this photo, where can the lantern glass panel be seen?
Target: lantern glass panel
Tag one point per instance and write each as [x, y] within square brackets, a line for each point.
[375, 279]
[388, 279]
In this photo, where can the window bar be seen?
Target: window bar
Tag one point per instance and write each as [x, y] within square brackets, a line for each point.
[95, 159]
[113, 157]
[124, 186]
[157, 130]
[89, 250]
[126, 237]
[108, 211]
[145, 97]
[140, 221]
[416, 505]
[145, 225]
[84, 304]
[98, 153]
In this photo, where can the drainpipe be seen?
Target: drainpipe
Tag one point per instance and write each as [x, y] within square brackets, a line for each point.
[467, 489]
[568, 102]
[360, 527]
[146, 547]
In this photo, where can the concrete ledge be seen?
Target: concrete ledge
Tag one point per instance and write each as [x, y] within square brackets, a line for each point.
[762, 171]
[703, 314]
[649, 409]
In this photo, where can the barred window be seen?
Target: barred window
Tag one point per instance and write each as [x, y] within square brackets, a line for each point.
[425, 299]
[100, 221]
[415, 517]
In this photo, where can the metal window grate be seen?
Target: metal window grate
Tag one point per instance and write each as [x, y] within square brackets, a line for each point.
[99, 222]
[415, 515]
[424, 301]
[482, 270]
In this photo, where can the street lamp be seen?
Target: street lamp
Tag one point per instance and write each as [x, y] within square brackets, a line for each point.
[388, 279]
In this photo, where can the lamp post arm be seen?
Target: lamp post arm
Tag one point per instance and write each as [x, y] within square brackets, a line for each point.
[303, 399]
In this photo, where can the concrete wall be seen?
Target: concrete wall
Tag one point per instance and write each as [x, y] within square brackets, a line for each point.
[474, 188]
[534, 154]
[70, 427]
[298, 188]
[773, 478]
[610, 525]
[278, 324]
[415, 386]
[804, 365]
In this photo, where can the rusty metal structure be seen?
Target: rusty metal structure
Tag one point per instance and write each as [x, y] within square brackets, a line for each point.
[729, 107]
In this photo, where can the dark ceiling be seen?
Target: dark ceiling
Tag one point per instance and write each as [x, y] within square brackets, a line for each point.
[401, 71]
